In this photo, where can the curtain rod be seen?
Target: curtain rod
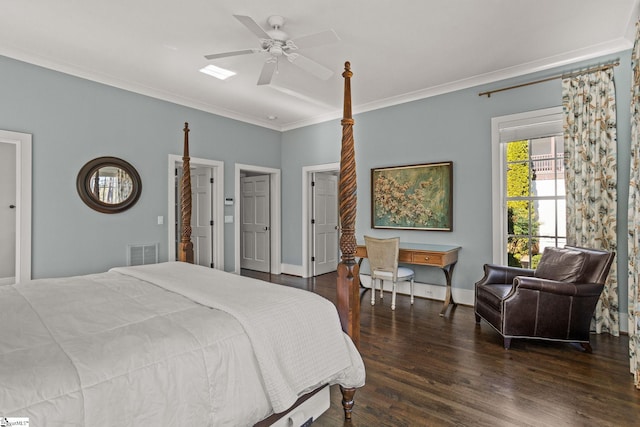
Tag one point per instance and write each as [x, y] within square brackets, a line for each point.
[559, 76]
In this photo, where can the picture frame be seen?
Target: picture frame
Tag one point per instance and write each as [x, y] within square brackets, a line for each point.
[413, 197]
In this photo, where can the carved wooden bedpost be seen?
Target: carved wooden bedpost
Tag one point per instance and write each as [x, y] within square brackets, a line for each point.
[185, 248]
[348, 282]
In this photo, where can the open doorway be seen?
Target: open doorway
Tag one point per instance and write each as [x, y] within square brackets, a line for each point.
[311, 235]
[207, 210]
[261, 187]
[15, 207]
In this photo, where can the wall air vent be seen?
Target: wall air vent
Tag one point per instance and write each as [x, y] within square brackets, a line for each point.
[142, 254]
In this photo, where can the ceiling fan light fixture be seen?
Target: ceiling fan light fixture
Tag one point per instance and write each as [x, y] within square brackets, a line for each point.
[276, 44]
[278, 35]
[276, 50]
[217, 72]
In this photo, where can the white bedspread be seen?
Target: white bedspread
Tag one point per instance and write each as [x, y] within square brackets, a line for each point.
[140, 346]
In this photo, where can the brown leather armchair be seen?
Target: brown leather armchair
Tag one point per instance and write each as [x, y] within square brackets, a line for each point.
[554, 302]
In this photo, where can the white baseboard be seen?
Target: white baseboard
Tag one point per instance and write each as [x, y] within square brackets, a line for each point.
[293, 270]
[426, 290]
[624, 322]
[423, 290]
[7, 281]
[430, 291]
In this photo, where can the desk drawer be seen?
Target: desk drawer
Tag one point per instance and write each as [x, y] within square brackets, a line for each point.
[427, 258]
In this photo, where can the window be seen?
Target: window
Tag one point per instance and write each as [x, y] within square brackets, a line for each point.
[528, 186]
[535, 200]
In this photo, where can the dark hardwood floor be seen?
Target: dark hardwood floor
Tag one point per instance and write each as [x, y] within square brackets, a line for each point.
[427, 370]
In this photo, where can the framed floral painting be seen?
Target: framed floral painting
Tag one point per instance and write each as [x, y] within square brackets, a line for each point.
[413, 197]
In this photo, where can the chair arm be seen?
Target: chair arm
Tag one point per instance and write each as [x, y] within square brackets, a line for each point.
[502, 274]
[560, 288]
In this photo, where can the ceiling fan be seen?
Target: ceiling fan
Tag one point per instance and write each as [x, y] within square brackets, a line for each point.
[276, 43]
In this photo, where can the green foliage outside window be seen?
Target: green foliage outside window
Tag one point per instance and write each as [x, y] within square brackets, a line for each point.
[522, 221]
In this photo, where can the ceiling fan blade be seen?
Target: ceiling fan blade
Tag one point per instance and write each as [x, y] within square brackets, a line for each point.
[266, 74]
[310, 66]
[252, 26]
[233, 53]
[317, 39]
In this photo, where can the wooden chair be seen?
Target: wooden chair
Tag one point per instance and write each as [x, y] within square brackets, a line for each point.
[383, 261]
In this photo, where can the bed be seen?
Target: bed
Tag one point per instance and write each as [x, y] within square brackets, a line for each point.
[160, 345]
[165, 347]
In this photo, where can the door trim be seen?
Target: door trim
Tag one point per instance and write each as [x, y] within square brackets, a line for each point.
[218, 206]
[275, 212]
[23, 196]
[307, 172]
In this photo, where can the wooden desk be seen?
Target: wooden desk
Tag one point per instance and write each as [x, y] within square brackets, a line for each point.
[444, 257]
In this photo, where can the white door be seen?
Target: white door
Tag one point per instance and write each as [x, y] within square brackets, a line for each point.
[7, 213]
[324, 222]
[255, 223]
[201, 214]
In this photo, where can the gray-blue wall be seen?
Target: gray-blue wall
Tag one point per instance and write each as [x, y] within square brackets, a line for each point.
[455, 126]
[75, 120]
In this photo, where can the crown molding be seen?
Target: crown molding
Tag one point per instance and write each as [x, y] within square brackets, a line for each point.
[612, 47]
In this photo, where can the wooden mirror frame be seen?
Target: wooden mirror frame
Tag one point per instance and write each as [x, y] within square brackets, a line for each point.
[83, 185]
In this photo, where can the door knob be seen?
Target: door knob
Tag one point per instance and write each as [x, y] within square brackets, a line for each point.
[12, 206]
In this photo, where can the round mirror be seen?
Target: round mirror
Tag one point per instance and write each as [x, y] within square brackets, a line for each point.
[109, 184]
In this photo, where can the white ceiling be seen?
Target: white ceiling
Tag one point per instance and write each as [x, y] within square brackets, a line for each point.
[399, 50]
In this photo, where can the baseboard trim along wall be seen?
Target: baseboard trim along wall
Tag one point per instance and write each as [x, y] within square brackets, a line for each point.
[426, 290]
[293, 270]
[7, 281]
[429, 291]
[423, 290]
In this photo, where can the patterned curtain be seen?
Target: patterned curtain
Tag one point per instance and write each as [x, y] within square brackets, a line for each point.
[589, 108]
[634, 217]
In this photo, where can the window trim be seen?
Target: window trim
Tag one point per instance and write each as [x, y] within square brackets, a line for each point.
[527, 125]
